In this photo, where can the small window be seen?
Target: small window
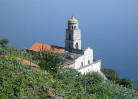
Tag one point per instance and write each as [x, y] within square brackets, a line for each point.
[77, 46]
[81, 63]
[74, 27]
[88, 61]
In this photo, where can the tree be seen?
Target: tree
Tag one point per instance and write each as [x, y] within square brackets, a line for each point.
[3, 42]
[110, 74]
[126, 82]
[49, 60]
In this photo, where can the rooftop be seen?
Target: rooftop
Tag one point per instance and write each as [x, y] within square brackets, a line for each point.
[36, 47]
[69, 58]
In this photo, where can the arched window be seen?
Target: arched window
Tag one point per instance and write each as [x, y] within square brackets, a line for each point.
[74, 27]
[77, 46]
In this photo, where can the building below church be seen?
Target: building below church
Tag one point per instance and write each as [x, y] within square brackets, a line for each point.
[74, 56]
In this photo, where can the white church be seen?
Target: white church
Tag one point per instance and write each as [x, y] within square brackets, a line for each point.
[73, 55]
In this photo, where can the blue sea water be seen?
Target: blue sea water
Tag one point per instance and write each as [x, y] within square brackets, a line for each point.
[110, 27]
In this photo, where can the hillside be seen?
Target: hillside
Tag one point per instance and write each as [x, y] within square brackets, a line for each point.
[21, 81]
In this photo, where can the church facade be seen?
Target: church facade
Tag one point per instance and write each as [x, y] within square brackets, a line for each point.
[73, 55]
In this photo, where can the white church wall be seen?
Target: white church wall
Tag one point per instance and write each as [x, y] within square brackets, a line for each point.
[88, 56]
[83, 59]
[95, 67]
[91, 68]
[79, 62]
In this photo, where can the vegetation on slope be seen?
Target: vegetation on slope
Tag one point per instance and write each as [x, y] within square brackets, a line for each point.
[19, 81]
[113, 76]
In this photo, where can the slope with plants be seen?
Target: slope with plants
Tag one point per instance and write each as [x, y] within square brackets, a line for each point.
[19, 81]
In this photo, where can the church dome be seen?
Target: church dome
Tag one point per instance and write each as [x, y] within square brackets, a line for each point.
[72, 20]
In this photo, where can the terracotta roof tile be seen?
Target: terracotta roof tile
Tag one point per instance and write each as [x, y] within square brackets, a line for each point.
[36, 47]
[25, 62]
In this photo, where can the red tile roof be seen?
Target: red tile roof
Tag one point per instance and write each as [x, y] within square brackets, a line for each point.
[25, 62]
[36, 47]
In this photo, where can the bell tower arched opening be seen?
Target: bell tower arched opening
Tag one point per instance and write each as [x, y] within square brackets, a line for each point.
[77, 46]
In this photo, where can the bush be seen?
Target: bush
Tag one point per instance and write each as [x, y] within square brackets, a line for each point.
[126, 82]
[20, 81]
[3, 42]
[72, 81]
[110, 74]
[49, 60]
[93, 82]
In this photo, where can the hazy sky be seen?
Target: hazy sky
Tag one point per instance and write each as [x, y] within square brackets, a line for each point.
[109, 26]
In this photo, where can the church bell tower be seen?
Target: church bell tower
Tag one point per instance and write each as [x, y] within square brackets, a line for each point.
[73, 35]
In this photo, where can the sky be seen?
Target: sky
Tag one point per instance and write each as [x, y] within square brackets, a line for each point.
[110, 27]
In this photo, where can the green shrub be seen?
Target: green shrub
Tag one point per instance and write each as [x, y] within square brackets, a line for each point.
[49, 61]
[126, 82]
[93, 82]
[20, 81]
[110, 74]
[3, 42]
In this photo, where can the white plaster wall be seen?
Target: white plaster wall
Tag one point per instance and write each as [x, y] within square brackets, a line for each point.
[78, 62]
[88, 56]
[79, 44]
[77, 38]
[95, 67]
[77, 34]
[91, 68]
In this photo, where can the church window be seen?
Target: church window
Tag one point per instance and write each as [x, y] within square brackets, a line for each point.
[88, 61]
[77, 46]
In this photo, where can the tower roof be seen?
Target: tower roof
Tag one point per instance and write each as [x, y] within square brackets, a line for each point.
[72, 20]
